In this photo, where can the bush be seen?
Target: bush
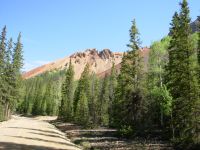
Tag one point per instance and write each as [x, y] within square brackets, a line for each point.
[126, 131]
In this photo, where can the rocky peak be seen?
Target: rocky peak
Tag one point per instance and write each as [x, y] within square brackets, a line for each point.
[99, 62]
[106, 54]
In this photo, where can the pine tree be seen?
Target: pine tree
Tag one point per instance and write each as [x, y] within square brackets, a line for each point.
[112, 90]
[66, 108]
[82, 110]
[94, 109]
[48, 98]
[17, 63]
[36, 110]
[2, 75]
[83, 86]
[182, 79]
[2, 49]
[129, 97]
[8, 73]
[198, 49]
[199, 43]
[104, 102]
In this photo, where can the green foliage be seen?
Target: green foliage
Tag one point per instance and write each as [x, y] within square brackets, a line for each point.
[129, 103]
[158, 100]
[112, 91]
[66, 108]
[83, 86]
[82, 111]
[126, 131]
[42, 94]
[182, 79]
[94, 102]
[82, 99]
[198, 51]
[2, 76]
[104, 103]
[10, 74]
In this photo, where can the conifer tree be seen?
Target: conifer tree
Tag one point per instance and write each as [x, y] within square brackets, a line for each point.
[182, 79]
[129, 98]
[8, 72]
[94, 109]
[82, 110]
[17, 63]
[104, 102]
[199, 42]
[2, 63]
[112, 89]
[36, 110]
[83, 86]
[2, 75]
[2, 49]
[48, 98]
[66, 108]
[198, 48]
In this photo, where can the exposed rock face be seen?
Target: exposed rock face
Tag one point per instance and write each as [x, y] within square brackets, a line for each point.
[100, 62]
[106, 54]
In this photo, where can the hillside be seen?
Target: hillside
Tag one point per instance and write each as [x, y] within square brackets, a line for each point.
[100, 62]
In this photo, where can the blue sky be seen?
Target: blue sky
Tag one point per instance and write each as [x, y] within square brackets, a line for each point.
[53, 29]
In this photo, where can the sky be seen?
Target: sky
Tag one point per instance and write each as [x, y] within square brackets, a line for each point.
[53, 29]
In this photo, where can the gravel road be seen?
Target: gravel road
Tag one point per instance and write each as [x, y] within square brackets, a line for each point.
[23, 133]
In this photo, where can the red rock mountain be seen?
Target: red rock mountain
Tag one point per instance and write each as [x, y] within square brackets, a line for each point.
[100, 62]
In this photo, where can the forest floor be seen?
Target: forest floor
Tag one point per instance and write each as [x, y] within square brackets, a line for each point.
[33, 133]
[107, 139]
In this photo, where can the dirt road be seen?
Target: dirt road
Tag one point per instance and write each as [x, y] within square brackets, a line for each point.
[22, 133]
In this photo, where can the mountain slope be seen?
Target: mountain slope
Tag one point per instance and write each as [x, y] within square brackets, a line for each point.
[100, 62]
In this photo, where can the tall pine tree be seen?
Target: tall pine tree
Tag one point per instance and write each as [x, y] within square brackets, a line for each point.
[104, 102]
[94, 108]
[8, 78]
[182, 79]
[82, 110]
[129, 98]
[112, 90]
[66, 108]
[17, 63]
[3, 85]
[83, 85]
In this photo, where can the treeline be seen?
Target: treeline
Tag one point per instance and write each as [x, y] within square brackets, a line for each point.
[11, 61]
[42, 94]
[91, 103]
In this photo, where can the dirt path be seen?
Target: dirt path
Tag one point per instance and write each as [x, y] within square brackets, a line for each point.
[22, 133]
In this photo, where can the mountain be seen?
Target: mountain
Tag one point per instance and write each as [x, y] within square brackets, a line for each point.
[100, 62]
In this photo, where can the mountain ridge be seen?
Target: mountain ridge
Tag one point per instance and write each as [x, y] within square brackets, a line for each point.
[100, 62]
